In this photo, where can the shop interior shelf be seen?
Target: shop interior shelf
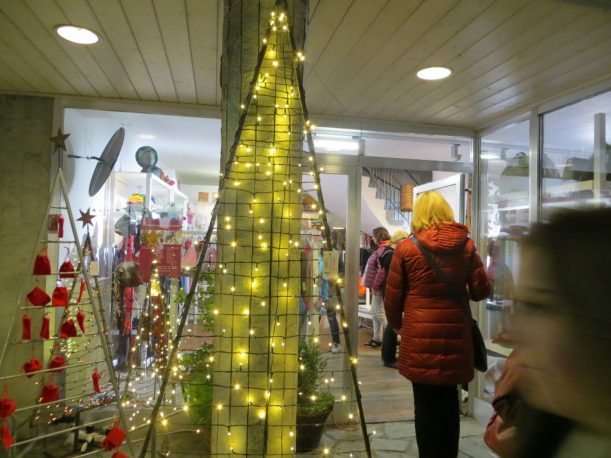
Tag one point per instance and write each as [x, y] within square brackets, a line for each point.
[497, 348]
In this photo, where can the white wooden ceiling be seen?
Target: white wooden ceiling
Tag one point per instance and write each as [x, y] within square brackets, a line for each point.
[362, 55]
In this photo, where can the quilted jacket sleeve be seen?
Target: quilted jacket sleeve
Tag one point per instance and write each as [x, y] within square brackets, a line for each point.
[479, 282]
[396, 289]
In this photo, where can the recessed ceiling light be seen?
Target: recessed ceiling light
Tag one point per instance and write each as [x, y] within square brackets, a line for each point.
[434, 73]
[147, 136]
[76, 34]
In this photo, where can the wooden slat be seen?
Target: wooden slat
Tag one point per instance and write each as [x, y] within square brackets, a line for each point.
[172, 19]
[376, 37]
[49, 15]
[11, 81]
[553, 47]
[445, 28]
[313, 7]
[377, 75]
[18, 72]
[482, 56]
[321, 30]
[567, 74]
[472, 32]
[46, 42]
[25, 50]
[143, 23]
[80, 12]
[115, 27]
[202, 16]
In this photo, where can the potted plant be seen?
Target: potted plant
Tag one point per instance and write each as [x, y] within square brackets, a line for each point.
[313, 405]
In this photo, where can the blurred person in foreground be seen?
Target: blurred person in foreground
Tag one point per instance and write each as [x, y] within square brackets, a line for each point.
[436, 350]
[563, 337]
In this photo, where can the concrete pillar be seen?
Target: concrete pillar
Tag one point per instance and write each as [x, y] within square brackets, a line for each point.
[258, 279]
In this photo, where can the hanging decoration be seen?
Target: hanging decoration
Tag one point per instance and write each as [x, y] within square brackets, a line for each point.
[407, 197]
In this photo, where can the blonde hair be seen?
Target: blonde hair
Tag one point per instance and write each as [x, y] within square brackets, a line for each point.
[397, 237]
[430, 210]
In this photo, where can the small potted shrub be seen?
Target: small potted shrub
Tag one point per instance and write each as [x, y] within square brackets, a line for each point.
[313, 405]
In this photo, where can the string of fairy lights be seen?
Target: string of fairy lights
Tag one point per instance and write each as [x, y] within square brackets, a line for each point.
[260, 155]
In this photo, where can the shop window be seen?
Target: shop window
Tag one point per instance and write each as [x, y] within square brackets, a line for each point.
[580, 156]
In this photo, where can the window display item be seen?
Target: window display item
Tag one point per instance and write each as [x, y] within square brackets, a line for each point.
[407, 197]
[45, 326]
[42, 264]
[190, 257]
[114, 438]
[38, 296]
[50, 393]
[127, 275]
[57, 363]
[60, 296]
[106, 161]
[81, 291]
[26, 327]
[66, 270]
[95, 378]
[31, 366]
[68, 329]
[7, 439]
[80, 318]
[7, 405]
[147, 158]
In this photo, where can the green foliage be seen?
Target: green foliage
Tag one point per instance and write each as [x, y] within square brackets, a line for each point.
[312, 364]
[197, 384]
[205, 300]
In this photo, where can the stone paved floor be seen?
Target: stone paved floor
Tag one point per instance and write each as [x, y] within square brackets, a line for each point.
[397, 440]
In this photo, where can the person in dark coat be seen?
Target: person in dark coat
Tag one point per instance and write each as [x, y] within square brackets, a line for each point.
[436, 350]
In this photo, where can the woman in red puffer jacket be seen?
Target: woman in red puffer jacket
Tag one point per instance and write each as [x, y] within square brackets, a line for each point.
[436, 351]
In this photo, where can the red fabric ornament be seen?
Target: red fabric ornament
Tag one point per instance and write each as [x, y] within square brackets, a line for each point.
[60, 226]
[42, 264]
[30, 366]
[118, 454]
[57, 362]
[50, 393]
[60, 297]
[66, 269]
[26, 327]
[44, 328]
[114, 438]
[81, 291]
[80, 318]
[95, 377]
[7, 405]
[38, 296]
[7, 439]
[68, 329]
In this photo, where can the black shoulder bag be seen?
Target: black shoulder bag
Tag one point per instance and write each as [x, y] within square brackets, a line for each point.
[480, 358]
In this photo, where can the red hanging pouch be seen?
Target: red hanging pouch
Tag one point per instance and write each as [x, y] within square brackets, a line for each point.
[66, 269]
[60, 226]
[44, 328]
[95, 378]
[80, 318]
[114, 438]
[26, 327]
[58, 363]
[81, 291]
[7, 405]
[60, 296]
[30, 366]
[118, 454]
[7, 439]
[50, 393]
[42, 264]
[38, 296]
[68, 329]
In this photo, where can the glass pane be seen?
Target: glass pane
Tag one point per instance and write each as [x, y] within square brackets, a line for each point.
[569, 165]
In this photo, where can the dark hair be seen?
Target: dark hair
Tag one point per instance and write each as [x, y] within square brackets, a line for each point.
[380, 234]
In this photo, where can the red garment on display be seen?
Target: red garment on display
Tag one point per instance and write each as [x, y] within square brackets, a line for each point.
[129, 298]
[50, 393]
[67, 269]
[44, 328]
[42, 264]
[30, 366]
[60, 297]
[68, 329]
[26, 327]
[58, 362]
[81, 291]
[80, 318]
[114, 438]
[7, 439]
[60, 226]
[38, 296]
[95, 378]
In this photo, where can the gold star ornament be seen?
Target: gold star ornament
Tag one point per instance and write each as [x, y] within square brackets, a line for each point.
[59, 140]
[86, 217]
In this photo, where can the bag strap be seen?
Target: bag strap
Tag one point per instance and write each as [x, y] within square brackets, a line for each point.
[441, 275]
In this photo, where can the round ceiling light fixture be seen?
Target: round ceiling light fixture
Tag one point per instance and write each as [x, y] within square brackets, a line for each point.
[434, 73]
[76, 34]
